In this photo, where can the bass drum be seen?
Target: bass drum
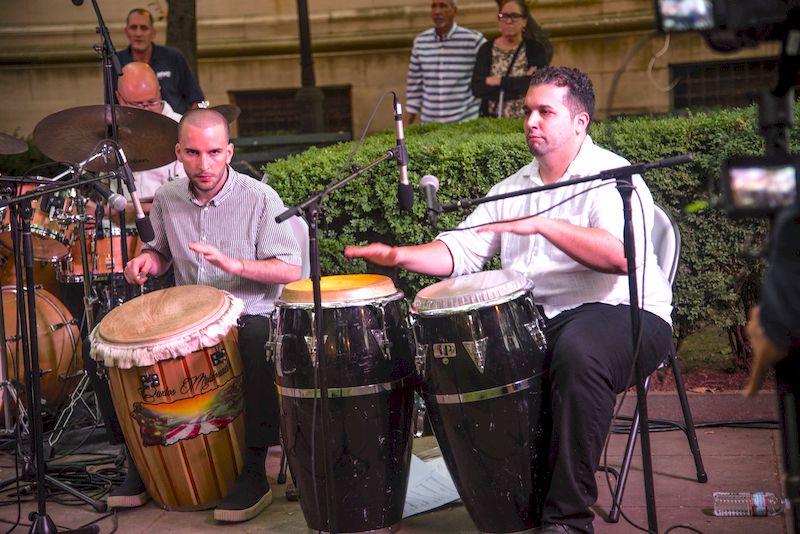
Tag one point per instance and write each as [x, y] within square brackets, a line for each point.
[59, 345]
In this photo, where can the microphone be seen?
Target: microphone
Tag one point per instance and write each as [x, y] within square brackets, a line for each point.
[115, 200]
[429, 185]
[143, 224]
[405, 193]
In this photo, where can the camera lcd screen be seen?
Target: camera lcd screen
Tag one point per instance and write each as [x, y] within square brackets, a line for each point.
[760, 187]
[685, 15]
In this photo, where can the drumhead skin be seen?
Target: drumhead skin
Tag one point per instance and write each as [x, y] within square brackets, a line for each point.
[164, 324]
[470, 292]
[340, 289]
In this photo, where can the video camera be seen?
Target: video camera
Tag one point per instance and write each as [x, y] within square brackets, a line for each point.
[762, 185]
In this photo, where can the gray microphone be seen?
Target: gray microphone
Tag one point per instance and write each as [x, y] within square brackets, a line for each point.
[429, 185]
[115, 201]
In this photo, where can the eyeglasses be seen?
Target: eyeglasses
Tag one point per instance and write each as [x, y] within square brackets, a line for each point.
[510, 17]
[148, 104]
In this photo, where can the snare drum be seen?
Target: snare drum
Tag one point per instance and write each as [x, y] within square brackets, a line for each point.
[59, 345]
[105, 256]
[175, 374]
[480, 348]
[51, 229]
[367, 351]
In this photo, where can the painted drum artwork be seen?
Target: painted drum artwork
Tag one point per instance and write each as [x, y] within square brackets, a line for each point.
[175, 374]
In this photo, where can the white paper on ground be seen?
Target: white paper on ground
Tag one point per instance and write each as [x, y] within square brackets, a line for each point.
[429, 486]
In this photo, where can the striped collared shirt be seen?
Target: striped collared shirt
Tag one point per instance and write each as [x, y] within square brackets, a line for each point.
[239, 220]
[440, 75]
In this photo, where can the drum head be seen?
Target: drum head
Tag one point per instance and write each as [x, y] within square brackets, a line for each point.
[471, 291]
[340, 288]
[162, 314]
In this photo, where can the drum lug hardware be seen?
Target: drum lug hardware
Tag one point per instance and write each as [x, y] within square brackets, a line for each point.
[218, 357]
[382, 336]
[150, 381]
[477, 347]
[536, 326]
[58, 326]
[421, 349]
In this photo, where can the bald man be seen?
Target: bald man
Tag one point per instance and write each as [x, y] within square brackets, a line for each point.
[217, 228]
[138, 87]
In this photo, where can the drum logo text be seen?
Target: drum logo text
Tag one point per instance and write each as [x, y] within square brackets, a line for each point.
[444, 350]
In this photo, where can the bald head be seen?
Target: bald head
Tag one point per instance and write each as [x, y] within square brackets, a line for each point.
[203, 118]
[139, 86]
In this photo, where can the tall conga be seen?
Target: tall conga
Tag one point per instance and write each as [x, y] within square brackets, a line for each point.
[175, 374]
[481, 340]
[367, 351]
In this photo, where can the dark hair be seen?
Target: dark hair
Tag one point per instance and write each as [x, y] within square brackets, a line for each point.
[580, 97]
[527, 33]
[140, 11]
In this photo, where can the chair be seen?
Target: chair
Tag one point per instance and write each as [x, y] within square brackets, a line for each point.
[666, 240]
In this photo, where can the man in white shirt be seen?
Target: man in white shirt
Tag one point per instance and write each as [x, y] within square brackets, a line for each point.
[569, 242]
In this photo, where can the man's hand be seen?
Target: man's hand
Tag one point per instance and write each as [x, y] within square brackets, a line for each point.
[377, 253]
[765, 353]
[215, 257]
[138, 268]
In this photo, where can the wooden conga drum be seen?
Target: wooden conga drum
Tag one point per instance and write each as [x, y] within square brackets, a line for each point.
[176, 380]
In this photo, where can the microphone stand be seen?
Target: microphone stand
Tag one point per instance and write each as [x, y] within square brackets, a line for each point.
[20, 220]
[112, 69]
[624, 180]
[311, 208]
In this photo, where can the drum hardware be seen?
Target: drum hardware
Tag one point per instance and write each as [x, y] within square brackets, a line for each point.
[58, 326]
[536, 327]
[20, 215]
[150, 381]
[66, 413]
[218, 357]
[476, 349]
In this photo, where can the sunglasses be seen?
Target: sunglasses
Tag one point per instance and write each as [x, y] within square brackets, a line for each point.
[513, 17]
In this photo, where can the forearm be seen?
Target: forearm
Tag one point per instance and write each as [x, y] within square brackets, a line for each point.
[432, 258]
[270, 271]
[593, 247]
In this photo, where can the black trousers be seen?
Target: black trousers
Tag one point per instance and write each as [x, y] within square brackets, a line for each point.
[261, 423]
[589, 360]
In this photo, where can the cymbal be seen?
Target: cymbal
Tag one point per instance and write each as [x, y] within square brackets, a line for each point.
[148, 138]
[11, 145]
[229, 111]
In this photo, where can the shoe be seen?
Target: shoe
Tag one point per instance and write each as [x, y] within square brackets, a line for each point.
[249, 497]
[555, 528]
[132, 493]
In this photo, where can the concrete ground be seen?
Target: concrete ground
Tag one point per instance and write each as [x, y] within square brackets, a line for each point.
[736, 459]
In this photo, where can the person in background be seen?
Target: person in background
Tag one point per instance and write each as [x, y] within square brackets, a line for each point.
[440, 69]
[179, 85]
[504, 66]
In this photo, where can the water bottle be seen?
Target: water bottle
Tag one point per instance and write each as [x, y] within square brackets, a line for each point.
[745, 504]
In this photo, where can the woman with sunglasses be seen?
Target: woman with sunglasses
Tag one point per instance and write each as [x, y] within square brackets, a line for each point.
[504, 66]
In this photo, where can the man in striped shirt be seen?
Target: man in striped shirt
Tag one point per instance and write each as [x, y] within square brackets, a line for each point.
[440, 69]
[218, 229]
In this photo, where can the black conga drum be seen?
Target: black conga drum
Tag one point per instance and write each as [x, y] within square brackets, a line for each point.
[367, 350]
[481, 345]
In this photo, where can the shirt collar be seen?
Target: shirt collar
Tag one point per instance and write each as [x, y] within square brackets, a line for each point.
[448, 35]
[578, 167]
[220, 197]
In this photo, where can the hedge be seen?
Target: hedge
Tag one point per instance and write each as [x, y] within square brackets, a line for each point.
[717, 280]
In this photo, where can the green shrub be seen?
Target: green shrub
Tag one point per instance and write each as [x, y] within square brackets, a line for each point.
[716, 283]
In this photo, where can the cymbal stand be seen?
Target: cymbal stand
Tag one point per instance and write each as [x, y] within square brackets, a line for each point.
[88, 309]
[21, 212]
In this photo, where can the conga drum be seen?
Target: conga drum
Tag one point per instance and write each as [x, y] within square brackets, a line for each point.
[482, 347]
[59, 345]
[367, 351]
[175, 375]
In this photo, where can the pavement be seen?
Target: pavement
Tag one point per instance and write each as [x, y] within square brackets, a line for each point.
[736, 459]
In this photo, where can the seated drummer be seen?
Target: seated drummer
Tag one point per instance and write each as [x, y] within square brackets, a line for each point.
[568, 241]
[217, 227]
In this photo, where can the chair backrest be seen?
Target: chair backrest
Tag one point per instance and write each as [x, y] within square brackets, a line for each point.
[666, 239]
[300, 231]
